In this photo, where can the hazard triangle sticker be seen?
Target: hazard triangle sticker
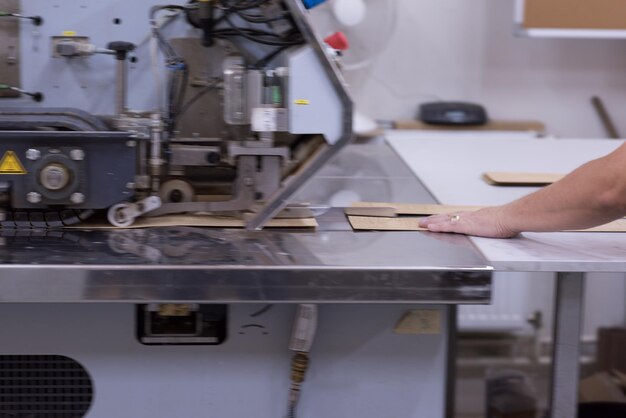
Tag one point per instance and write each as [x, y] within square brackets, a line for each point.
[10, 164]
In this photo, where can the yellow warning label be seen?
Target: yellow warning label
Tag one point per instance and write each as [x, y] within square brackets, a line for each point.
[10, 164]
[69, 33]
[302, 102]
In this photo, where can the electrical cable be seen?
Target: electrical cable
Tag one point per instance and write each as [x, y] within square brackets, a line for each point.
[179, 75]
[195, 98]
[247, 33]
[302, 337]
[37, 20]
[36, 96]
[253, 34]
[269, 57]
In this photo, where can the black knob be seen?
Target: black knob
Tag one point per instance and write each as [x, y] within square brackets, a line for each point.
[121, 49]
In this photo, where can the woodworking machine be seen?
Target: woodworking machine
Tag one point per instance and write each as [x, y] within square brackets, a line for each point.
[249, 108]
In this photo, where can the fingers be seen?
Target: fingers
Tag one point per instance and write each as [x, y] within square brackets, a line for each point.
[452, 222]
[482, 223]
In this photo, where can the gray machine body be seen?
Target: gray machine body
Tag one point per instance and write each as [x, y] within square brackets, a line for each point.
[359, 367]
[103, 173]
[236, 102]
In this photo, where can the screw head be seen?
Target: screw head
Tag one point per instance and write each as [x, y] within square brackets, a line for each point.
[33, 154]
[131, 143]
[77, 154]
[77, 198]
[33, 197]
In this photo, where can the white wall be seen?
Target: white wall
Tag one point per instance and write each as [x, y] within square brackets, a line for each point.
[466, 50]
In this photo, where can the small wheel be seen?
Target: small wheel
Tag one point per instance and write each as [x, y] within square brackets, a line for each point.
[117, 215]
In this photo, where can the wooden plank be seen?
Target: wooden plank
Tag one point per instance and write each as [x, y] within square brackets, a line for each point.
[495, 125]
[411, 223]
[418, 208]
[200, 221]
[370, 223]
[615, 226]
[521, 179]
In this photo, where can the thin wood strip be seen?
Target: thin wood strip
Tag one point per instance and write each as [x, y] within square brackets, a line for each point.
[200, 221]
[615, 226]
[370, 223]
[418, 208]
[514, 179]
[494, 125]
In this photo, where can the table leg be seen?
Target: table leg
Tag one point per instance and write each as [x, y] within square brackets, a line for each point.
[567, 328]
[451, 330]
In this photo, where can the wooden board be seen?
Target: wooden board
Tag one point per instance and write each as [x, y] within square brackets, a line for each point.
[615, 226]
[574, 14]
[418, 208]
[411, 222]
[199, 221]
[521, 179]
[494, 125]
[370, 223]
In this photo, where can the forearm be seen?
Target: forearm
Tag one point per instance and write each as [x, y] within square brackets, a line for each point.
[591, 195]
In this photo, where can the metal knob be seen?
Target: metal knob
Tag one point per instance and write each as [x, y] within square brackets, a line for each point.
[54, 176]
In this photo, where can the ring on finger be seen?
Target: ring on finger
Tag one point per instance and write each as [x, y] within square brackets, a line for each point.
[455, 218]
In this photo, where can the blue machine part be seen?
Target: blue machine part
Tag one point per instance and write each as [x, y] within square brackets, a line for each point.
[309, 4]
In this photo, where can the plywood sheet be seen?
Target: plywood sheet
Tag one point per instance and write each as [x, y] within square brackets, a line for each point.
[498, 178]
[200, 221]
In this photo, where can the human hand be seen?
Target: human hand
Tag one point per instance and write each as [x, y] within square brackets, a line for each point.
[487, 222]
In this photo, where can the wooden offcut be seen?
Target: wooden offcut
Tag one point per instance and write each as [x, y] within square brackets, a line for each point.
[497, 178]
[410, 215]
[493, 125]
[417, 208]
[200, 221]
[371, 223]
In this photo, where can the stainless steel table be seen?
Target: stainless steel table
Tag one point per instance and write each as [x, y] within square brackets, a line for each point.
[452, 167]
[332, 264]
[193, 265]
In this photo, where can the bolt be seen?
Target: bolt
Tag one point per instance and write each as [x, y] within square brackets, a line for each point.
[33, 197]
[282, 71]
[77, 198]
[33, 154]
[131, 144]
[77, 154]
